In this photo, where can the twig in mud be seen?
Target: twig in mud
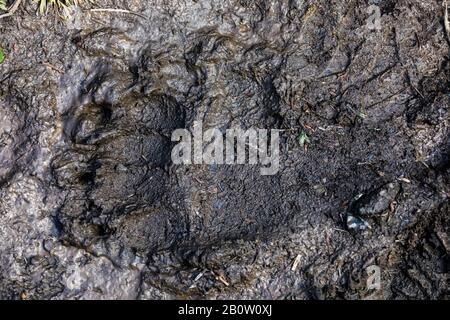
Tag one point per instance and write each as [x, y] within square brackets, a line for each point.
[446, 20]
[296, 263]
[49, 65]
[220, 277]
[120, 11]
[12, 9]
[403, 179]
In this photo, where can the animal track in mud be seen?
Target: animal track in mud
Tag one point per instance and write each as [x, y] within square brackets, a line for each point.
[115, 165]
[373, 104]
[121, 150]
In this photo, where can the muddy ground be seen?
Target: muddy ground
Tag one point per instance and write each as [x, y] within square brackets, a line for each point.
[91, 206]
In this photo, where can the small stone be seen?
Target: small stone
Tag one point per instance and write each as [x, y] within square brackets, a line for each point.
[378, 201]
[357, 224]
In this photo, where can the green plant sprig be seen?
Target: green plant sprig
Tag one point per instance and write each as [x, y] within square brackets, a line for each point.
[3, 5]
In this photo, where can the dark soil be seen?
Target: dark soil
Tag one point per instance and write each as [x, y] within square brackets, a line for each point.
[92, 207]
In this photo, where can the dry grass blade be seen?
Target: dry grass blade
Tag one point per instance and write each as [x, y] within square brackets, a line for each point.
[58, 4]
[62, 7]
[12, 9]
[120, 11]
[44, 5]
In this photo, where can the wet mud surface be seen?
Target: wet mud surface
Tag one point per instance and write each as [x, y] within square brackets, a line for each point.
[92, 207]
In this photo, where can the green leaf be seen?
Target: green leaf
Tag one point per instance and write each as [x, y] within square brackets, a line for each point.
[303, 139]
[2, 56]
[3, 5]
